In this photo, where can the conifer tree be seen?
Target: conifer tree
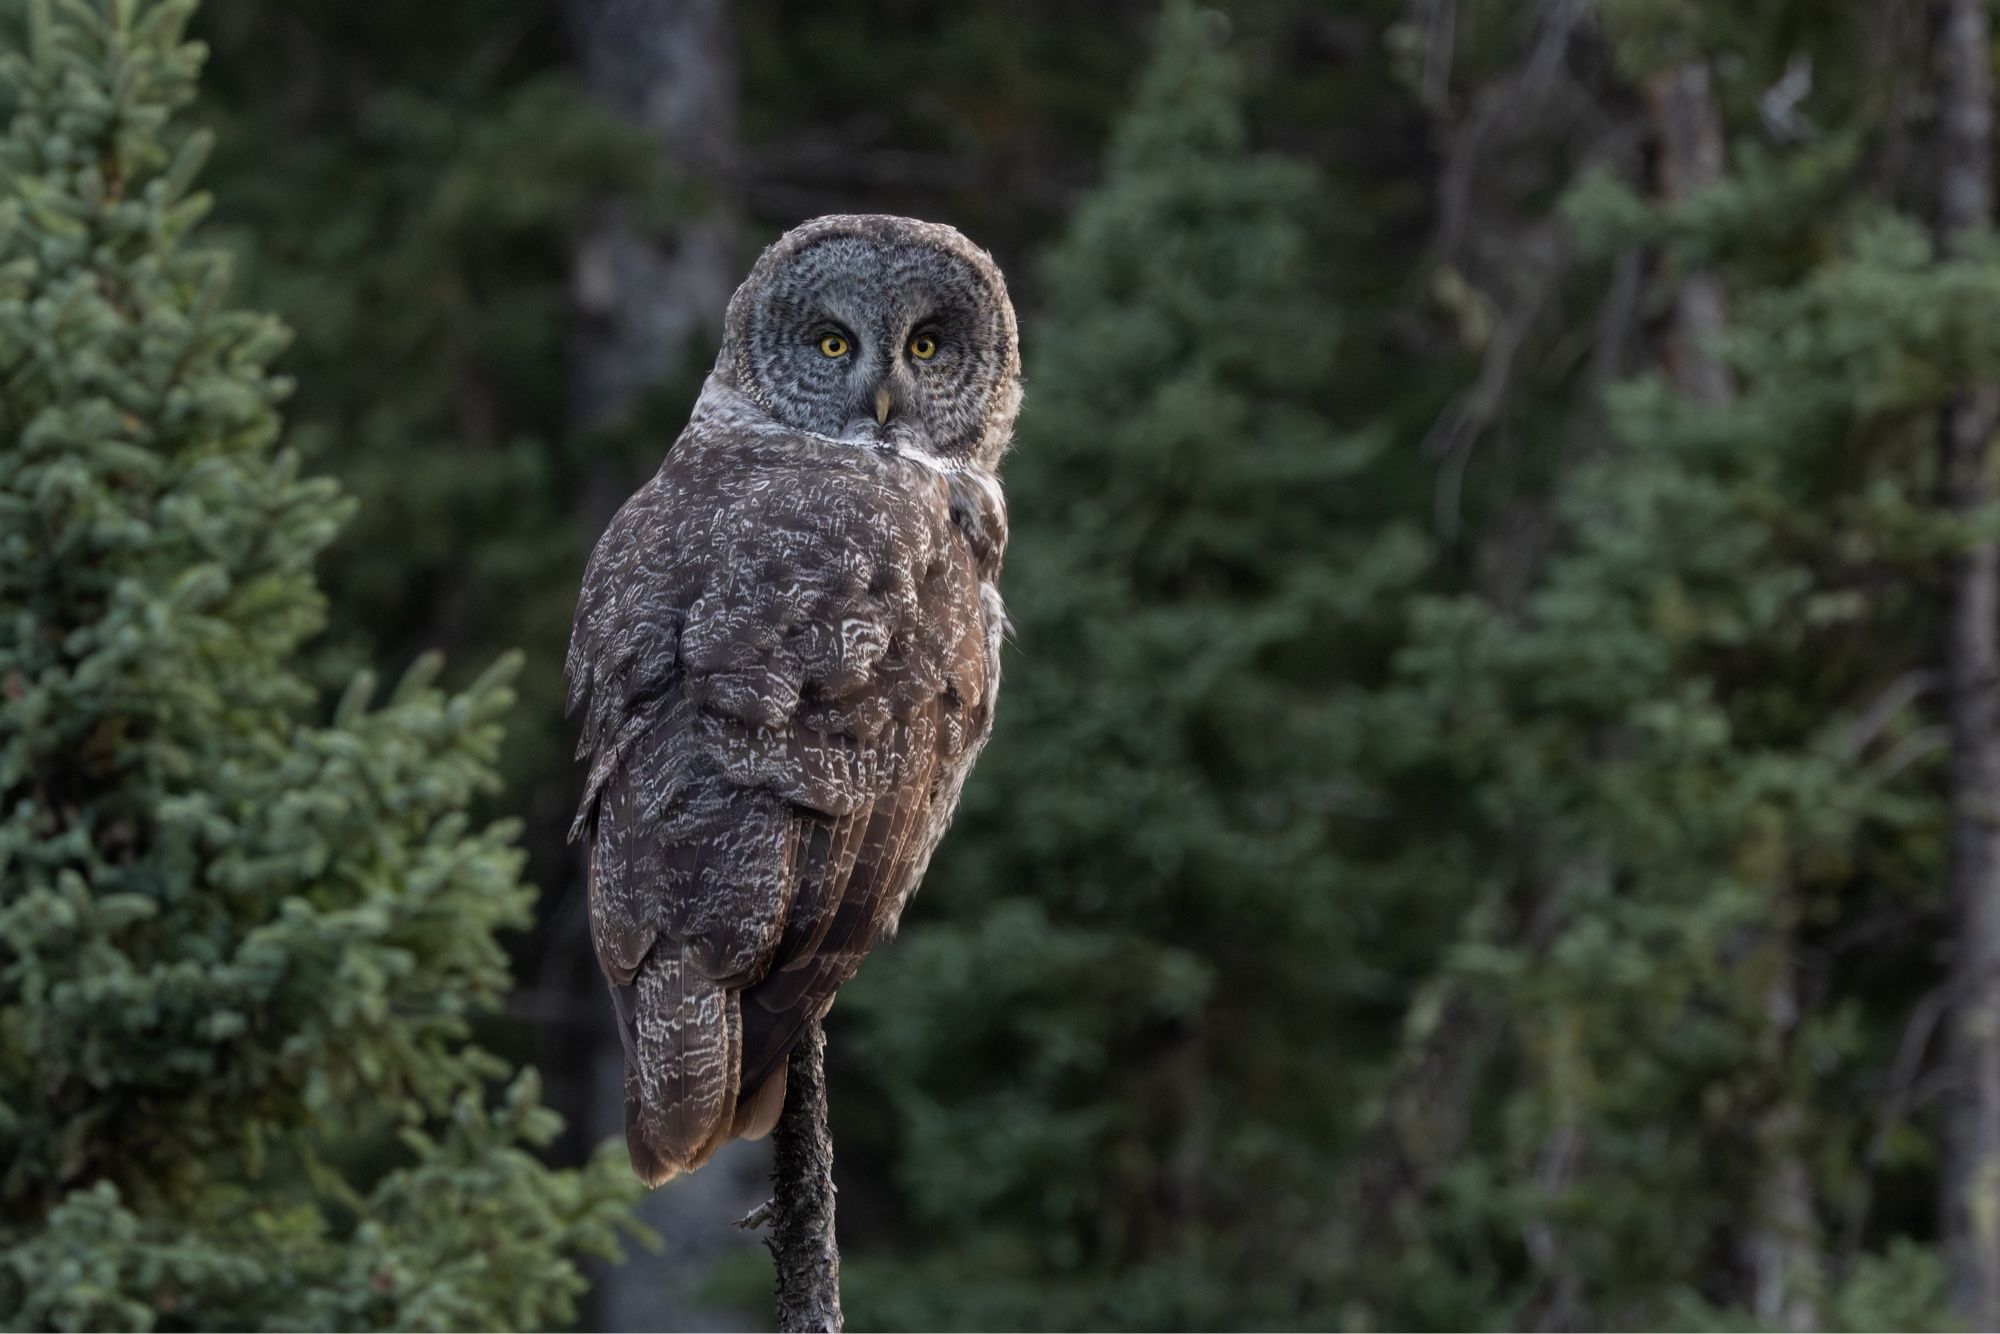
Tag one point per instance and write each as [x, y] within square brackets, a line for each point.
[1700, 771]
[241, 935]
[1641, 866]
[1116, 1063]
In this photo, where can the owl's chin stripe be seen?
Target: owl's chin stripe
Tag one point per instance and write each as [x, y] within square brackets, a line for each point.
[902, 449]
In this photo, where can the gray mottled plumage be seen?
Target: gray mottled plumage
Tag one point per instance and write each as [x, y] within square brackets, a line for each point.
[787, 648]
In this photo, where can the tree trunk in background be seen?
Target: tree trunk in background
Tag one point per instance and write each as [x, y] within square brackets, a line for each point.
[646, 306]
[647, 310]
[1971, 1178]
[1688, 129]
[1780, 1247]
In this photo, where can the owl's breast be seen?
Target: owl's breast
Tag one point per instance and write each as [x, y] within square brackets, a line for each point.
[840, 597]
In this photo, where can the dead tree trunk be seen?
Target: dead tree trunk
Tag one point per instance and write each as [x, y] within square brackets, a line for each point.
[1971, 1177]
[802, 1241]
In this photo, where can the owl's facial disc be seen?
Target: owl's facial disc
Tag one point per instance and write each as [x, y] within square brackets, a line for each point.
[884, 339]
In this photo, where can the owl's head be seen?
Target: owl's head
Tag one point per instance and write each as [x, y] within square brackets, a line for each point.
[878, 328]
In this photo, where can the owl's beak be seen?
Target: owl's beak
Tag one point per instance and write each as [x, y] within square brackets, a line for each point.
[882, 402]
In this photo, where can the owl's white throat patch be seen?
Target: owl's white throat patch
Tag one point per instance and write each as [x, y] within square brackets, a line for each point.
[937, 463]
[726, 406]
[899, 445]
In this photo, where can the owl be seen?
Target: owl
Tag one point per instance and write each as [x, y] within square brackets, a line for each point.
[786, 650]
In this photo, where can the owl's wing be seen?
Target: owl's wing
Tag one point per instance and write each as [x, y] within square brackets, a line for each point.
[783, 676]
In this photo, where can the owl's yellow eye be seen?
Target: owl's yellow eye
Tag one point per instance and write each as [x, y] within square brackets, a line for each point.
[833, 345]
[923, 347]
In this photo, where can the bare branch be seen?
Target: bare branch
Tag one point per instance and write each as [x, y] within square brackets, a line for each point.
[1779, 104]
[802, 1201]
[1897, 1096]
[1904, 691]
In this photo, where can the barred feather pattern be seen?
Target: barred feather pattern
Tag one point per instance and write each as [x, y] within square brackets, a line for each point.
[786, 654]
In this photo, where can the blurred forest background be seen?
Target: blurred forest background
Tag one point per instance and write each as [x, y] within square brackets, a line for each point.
[1490, 818]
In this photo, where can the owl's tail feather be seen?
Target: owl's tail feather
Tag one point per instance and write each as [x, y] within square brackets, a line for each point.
[647, 1165]
[680, 1102]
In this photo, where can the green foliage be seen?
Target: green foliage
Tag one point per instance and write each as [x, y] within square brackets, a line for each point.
[1328, 940]
[232, 934]
[1352, 924]
[417, 239]
[1693, 763]
[1106, 1116]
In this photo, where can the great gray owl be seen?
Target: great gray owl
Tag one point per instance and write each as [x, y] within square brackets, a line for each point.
[787, 646]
